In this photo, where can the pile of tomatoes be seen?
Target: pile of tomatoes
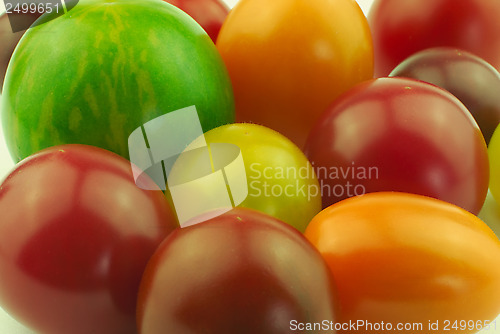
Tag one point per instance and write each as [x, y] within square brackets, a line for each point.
[362, 191]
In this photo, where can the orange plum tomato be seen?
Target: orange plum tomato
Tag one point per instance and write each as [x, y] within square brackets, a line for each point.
[398, 134]
[409, 263]
[289, 59]
[242, 272]
[75, 237]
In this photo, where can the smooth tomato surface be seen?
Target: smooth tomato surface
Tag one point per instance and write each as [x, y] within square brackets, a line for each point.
[404, 258]
[242, 272]
[288, 59]
[75, 236]
[400, 28]
[471, 79]
[210, 14]
[398, 134]
[279, 178]
[118, 65]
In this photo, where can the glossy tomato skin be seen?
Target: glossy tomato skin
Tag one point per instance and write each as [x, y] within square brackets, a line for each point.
[404, 258]
[287, 64]
[402, 28]
[471, 79]
[398, 134]
[210, 14]
[279, 178]
[75, 236]
[149, 58]
[242, 272]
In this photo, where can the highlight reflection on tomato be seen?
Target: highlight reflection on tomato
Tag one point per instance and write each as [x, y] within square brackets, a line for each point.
[243, 272]
[404, 258]
[75, 236]
[398, 134]
[471, 79]
[289, 59]
[279, 178]
[401, 28]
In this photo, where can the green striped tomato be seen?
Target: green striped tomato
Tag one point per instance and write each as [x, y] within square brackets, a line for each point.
[97, 73]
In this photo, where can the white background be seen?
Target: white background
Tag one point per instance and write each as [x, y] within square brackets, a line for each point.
[10, 326]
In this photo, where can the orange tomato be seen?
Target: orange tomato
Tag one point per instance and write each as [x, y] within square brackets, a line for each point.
[407, 259]
[289, 59]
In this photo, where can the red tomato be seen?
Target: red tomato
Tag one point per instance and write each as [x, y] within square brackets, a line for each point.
[471, 79]
[75, 236]
[242, 272]
[396, 134]
[289, 59]
[412, 260]
[400, 28]
[210, 14]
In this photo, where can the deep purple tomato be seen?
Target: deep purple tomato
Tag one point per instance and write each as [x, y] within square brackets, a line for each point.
[470, 78]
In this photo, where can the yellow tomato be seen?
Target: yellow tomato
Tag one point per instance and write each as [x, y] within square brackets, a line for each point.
[274, 177]
[494, 157]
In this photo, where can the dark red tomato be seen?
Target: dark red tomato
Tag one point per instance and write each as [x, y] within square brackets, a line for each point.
[243, 272]
[475, 82]
[401, 28]
[75, 236]
[398, 134]
[210, 14]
